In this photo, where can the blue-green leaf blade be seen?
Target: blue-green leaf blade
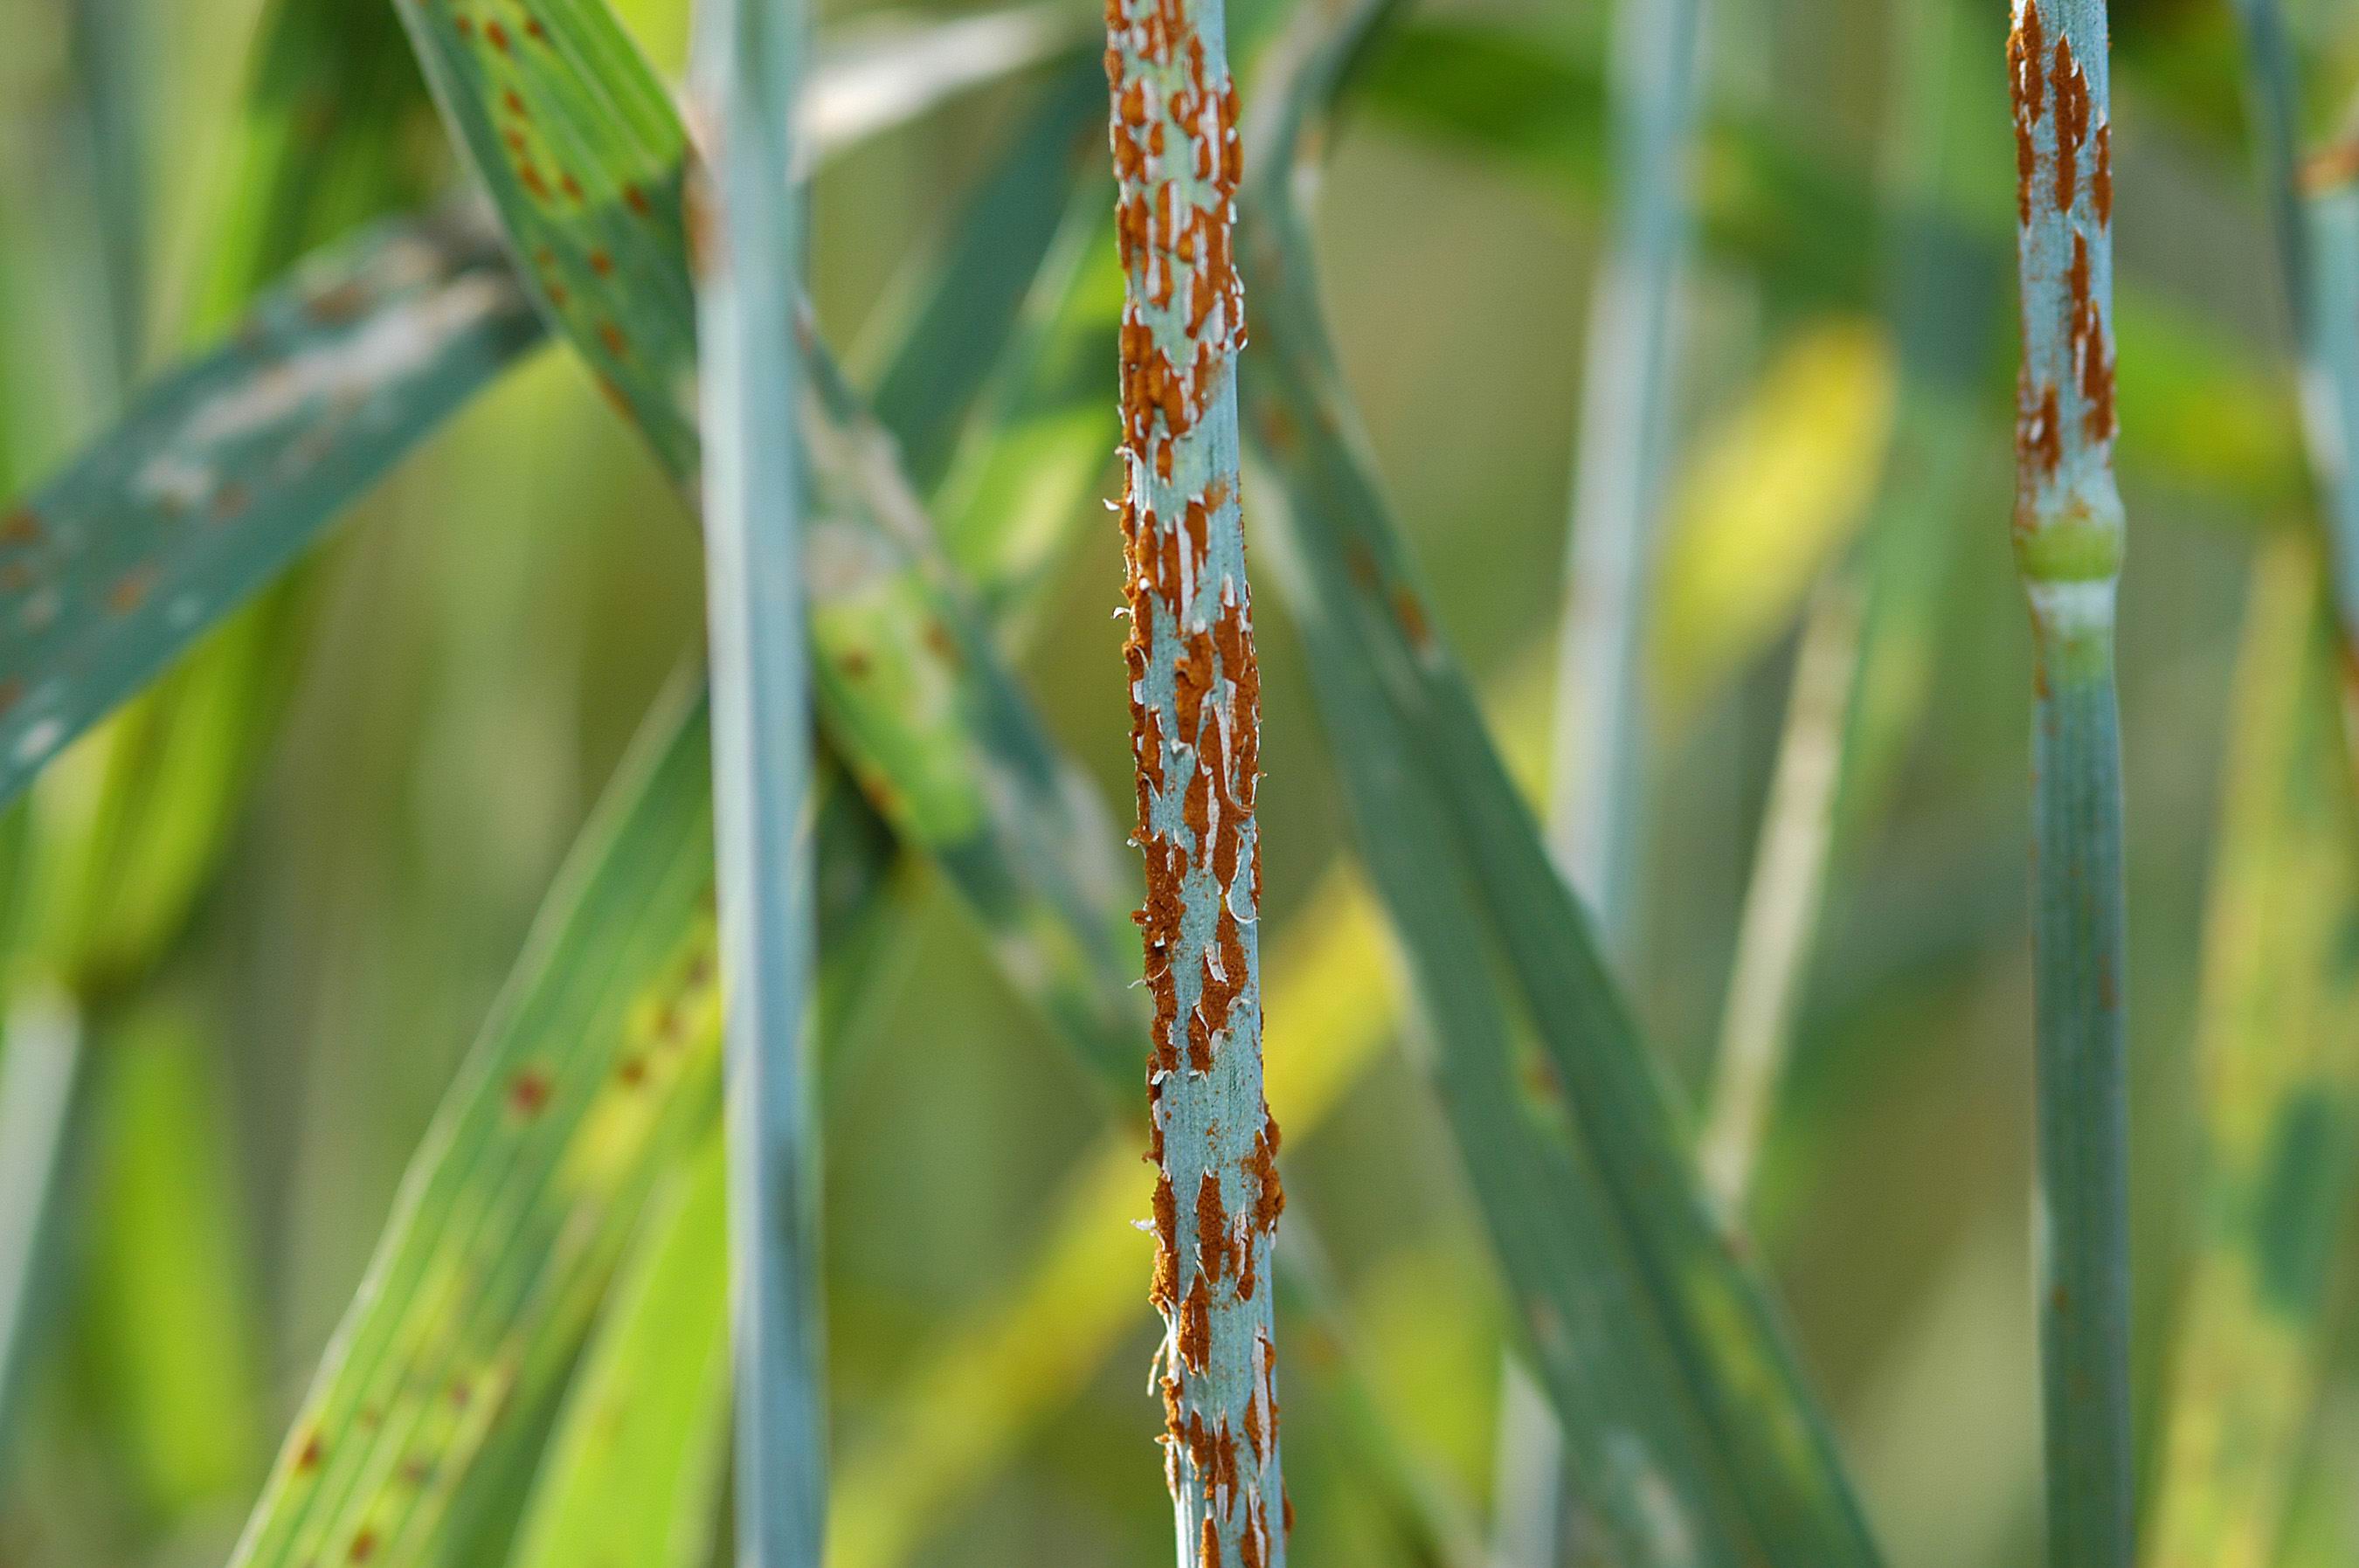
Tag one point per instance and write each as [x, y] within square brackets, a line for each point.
[222, 473]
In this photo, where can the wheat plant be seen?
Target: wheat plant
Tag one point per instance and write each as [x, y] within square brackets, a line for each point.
[709, 549]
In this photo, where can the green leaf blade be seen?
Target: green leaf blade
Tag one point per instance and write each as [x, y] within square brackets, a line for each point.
[224, 472]
[600, 1064]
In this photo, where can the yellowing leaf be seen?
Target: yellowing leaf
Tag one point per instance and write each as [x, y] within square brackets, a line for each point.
[1772, 495]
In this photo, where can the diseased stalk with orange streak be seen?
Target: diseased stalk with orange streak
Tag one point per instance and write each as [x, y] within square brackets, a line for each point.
[1196, 718]
[2068, 540]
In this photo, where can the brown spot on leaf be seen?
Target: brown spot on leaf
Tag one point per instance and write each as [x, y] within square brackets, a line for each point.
[339, 304]
[528, 1094]
[130, 591]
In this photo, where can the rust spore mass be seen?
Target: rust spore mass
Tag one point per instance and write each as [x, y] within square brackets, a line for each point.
[1212, 1229]
[2026, 48]
[2101, 184]
[2072, 121]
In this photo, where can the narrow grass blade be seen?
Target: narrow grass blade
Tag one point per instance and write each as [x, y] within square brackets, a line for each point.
[1861, 672]
[1636, 1447]
[1624, 446]
[43, 1078]
[572, 133]
[1036, 457]
[1621, 447]
[169, 1302]
[222, 474]
[2068, 534]
[1195, 706]
[947, 341]
[2281, 1091]
[634, 1465]
[2317, 219]
[106, 43]
[1660, 1326]
[884, 69]
[1782, 897]
[600, 1066]
[318, 148]
[747, 66]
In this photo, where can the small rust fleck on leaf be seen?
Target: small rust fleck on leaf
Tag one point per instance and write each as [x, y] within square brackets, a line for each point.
[528, 1094]
[130, 591]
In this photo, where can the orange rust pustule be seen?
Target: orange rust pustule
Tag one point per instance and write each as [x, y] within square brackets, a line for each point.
[1213, 1243]
[2101, 183]
[2038, 441]
[1195, 1336]
[2071, 121]
[1269, 1192]
[2027, 47]
[2092, 356]
[2098, 422]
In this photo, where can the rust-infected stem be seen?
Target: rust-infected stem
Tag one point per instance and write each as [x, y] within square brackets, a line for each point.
[2068, 538]
[1196, 713]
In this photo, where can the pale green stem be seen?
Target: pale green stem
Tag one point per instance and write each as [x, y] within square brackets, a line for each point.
[1782, 899]
[2068, 536]
[41, 1074]
[748, 65]
[1623, 444]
